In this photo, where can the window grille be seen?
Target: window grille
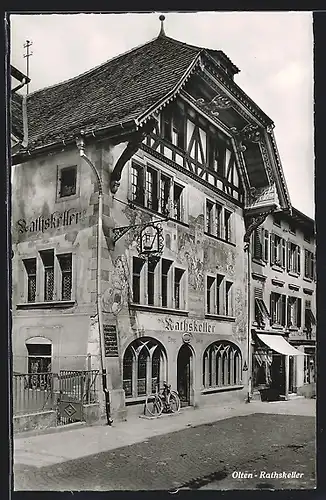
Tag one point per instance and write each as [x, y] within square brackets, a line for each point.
[48, 263]
[30, 266]
[66, 276]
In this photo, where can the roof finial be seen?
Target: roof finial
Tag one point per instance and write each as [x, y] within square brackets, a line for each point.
[162, 19]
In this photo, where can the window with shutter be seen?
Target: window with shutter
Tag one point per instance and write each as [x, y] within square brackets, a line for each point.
[266, 241]
[283, 309]
[272, 249]
[258, 247]
[298, 312]
[283, 255]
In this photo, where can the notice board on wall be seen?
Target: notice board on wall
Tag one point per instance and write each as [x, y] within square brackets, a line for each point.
[110, 340]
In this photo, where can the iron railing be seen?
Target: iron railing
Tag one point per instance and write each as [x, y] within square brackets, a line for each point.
[32, 392]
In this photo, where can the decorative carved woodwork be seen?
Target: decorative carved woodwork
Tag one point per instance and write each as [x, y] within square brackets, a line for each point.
[253, 221]
[129, 151]
[220, 101]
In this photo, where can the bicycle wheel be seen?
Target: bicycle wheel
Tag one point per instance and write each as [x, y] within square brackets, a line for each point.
[174, 402]
[153, 405]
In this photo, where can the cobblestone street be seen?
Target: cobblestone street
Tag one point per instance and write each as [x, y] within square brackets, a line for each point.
[202, 457]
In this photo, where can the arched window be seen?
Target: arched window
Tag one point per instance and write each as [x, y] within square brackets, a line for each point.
[144, 364]
[222, 365]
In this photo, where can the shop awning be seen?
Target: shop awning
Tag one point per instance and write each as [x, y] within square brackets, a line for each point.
[279, 344]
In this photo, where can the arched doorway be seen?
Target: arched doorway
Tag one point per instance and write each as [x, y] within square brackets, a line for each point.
[185, 375]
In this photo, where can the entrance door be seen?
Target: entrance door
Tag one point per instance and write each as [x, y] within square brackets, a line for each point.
[278, 374]
[184, 375]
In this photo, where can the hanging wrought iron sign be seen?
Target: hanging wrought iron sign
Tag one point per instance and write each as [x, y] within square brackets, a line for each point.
[150, 241]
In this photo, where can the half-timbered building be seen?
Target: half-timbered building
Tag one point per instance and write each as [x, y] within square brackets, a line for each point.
[174, 142]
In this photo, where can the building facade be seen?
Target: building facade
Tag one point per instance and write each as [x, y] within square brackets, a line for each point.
[191, 165]
[284, 304]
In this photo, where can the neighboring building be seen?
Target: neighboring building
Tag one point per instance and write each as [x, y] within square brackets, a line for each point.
[170, 134]
[284, 304]
[19, 133]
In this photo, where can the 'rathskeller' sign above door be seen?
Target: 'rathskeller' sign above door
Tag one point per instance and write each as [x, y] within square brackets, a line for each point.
[53, 221]
[186, 325]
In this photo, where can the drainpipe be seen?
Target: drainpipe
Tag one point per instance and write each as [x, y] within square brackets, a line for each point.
[247, 250]
[81, 146]
[25, 122]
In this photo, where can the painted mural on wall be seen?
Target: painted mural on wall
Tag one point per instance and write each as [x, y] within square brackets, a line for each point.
[191, 250]
[240, 326]
[116, 296]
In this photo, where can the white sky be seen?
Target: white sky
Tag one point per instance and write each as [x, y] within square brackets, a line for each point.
[274, 51]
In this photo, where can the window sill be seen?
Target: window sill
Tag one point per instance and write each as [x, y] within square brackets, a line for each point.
[309, 280]
[218, 238]
[220, 317]
[260, 262]
[294, 274]
[278, 268]
[159, 309]
[277, 327]
[55, 304]
[212, 390]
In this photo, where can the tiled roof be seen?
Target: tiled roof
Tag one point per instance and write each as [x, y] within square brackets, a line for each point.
[119, 90]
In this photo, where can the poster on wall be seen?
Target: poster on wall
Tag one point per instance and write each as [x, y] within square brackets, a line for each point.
[110, 341]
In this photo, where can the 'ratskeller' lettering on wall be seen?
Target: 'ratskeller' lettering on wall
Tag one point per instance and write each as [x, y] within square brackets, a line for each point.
[54, 221]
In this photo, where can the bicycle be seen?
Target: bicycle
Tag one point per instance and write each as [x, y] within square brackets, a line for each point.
[167, 401]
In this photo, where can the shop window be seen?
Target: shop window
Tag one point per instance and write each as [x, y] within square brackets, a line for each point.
[309, 365]
[262, 362]
[294, 312]
[48, 264]
[67, 179]
[277, 308]
[294, 258]
[144, 365]
[30, 267]
[309, 265]
[222, 365]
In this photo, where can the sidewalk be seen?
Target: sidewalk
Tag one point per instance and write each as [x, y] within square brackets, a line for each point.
[49, 449]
